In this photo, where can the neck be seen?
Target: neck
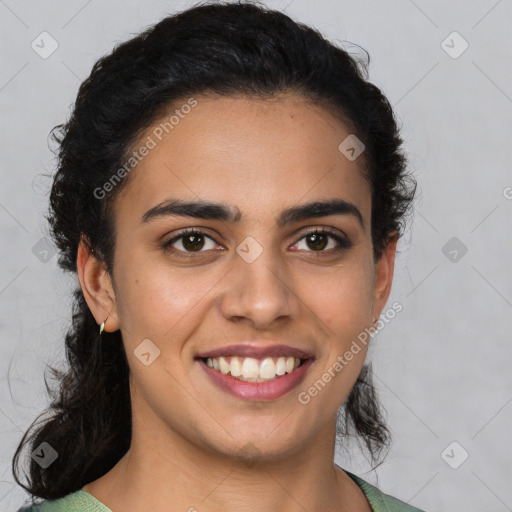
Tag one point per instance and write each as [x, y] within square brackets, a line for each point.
[162, 467]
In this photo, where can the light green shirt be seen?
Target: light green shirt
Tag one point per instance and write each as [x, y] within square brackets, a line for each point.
[82, 501]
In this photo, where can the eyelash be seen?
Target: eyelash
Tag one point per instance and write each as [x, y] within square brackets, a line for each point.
[343, 243]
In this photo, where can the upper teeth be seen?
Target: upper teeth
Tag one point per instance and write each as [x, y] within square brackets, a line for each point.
[254, 370]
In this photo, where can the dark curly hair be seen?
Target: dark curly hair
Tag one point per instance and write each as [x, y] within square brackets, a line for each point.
[219, 48]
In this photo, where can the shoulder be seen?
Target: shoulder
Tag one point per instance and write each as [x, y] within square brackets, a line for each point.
[380, 501]
[78, 501]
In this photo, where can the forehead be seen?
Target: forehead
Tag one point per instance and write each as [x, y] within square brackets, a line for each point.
[260, 155]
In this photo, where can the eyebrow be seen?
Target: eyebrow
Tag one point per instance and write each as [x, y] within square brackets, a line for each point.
[219, 211]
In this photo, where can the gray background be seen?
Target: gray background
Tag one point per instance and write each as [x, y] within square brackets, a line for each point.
[443, 364]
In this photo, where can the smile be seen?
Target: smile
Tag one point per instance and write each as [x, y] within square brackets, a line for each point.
[250, 369]
[263, 380]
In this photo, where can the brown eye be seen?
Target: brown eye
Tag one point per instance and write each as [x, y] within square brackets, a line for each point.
[317, 241]
[193, 242]
[320, 239]
[189, 242]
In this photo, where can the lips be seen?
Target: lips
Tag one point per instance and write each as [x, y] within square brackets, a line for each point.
[257, 391]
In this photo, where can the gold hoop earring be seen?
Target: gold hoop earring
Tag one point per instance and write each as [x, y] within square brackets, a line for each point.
[102, 326]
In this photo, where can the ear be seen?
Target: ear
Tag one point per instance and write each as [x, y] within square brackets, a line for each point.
[97, 287]
[383, 277]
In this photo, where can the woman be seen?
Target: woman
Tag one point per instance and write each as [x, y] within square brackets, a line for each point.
[230, 193]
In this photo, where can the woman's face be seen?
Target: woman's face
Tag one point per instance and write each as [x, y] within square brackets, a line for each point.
[251, 277]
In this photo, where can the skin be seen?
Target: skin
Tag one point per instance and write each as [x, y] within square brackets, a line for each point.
[194, 445]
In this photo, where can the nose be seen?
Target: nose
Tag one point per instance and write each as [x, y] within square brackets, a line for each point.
[260, 293]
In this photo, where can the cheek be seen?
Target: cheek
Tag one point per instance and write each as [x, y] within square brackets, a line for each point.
[342, 298]
[161, 303]
[344, 305]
